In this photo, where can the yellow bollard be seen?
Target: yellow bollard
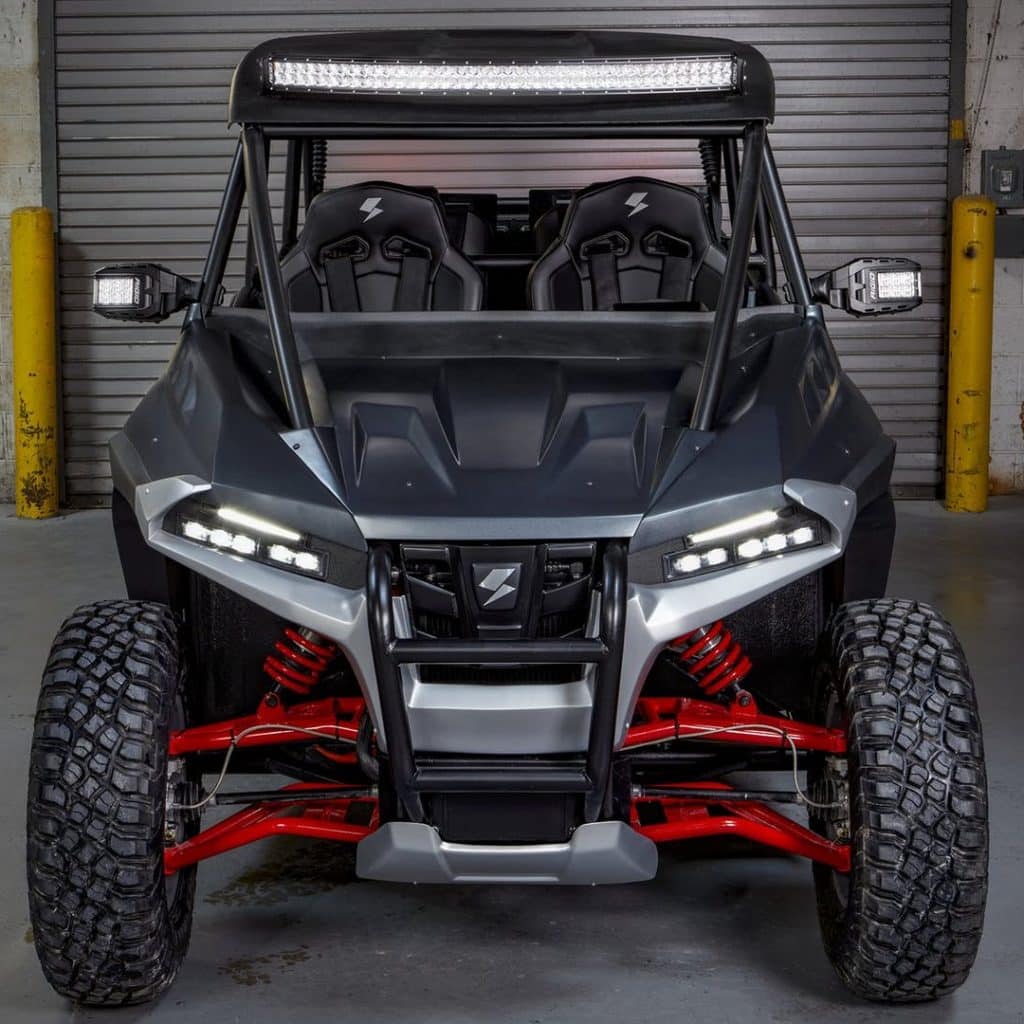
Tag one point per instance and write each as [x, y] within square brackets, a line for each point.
[33, 315]
[969, 375]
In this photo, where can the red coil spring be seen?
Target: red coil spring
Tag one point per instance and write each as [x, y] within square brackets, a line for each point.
[714, 659]
[302, 658]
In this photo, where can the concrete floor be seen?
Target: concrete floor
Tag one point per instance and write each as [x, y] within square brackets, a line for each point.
[281, 933]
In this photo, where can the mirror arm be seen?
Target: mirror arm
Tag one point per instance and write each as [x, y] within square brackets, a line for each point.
[821, 288]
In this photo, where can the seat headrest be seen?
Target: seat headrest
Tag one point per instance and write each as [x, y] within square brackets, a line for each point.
[376, 208]
[636, 207]
[378, 246]
[633, 240]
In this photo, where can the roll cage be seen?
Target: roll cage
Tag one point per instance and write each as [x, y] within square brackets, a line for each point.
[735, 115]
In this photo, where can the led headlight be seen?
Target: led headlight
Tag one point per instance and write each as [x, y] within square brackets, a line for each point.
[238, 533]
[897, 285]
[668, 74]
[117, 290]
[768, 534]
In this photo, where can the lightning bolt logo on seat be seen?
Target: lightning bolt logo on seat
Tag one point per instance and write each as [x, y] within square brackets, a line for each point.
[371, 207]
[636, 201]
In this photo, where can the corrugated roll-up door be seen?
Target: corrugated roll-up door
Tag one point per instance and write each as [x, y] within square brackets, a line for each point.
[143, 152]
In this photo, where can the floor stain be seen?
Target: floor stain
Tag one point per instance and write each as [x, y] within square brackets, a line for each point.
[296, 871]
[259, 970]
[30, 936]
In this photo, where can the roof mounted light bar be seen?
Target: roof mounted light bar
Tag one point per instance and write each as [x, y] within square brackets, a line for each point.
[715, 74]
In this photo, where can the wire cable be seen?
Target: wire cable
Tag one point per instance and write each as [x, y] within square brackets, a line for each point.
[702, 734]
[235, 740]
[781, 733]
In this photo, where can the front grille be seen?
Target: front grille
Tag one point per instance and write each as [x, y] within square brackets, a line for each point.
[490, 591]
[557, 625]
[430, 626]
[560, 573]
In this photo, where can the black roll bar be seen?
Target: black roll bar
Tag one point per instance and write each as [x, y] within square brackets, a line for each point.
[223, 233]
[292, 174]
[261, 231]
[384, 130]
[782, 224]
[733, 280]
[755, 188]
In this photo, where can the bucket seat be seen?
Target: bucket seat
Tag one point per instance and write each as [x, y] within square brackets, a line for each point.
[378, 247]
[630, 241]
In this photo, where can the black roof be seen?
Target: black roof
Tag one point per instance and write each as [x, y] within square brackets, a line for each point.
[255, 101]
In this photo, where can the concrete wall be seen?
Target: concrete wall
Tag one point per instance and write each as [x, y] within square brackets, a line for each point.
[999, 121]
[19, 182]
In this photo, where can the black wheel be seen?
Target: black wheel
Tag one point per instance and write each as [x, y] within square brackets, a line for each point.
[109, 927]
[904, 925]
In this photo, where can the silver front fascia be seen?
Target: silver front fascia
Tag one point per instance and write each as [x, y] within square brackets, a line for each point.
[488, 718]
[657, 614]
[484, 718]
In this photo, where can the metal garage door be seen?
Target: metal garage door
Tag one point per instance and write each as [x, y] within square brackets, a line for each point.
[143, 151]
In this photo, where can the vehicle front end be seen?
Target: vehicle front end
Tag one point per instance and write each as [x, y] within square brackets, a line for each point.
[505, 593]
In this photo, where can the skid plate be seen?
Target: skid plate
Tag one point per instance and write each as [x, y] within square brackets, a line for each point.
[600, 853]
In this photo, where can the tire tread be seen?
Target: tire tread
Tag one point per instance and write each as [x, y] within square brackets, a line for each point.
[102, 927]
[919, 807]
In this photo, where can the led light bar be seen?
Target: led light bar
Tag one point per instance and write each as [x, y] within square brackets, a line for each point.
[141, 291]
[117, 291]
[264, 526]
[763, 535]
[744, 525]
[671, 74]
[894, 284]
[201, 526]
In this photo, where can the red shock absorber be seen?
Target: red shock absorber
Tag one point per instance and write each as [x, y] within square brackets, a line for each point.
[714, 659]
[301, 658]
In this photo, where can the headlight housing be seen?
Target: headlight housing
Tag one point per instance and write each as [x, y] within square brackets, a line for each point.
[771, 533]
[235, 532]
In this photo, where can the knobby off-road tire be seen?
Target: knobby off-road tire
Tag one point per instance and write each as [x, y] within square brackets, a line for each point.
[904, 926]
[109, 928]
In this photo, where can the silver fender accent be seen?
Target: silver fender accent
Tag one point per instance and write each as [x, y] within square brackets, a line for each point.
[657, 614]
[335, 612]
[601, 853]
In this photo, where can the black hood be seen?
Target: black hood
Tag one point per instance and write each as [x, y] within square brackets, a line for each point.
[504, 437]
[497, 415]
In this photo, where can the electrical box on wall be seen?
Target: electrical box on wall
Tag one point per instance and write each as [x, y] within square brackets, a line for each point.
[1002, 176]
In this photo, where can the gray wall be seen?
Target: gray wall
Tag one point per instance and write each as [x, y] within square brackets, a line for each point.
[861, 139]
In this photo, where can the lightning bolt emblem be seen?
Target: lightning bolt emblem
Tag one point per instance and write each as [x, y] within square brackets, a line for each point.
[495, 582]
[636, 201]
[371, 207]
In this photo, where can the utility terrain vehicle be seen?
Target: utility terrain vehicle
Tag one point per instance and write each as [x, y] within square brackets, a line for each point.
[517, 534]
